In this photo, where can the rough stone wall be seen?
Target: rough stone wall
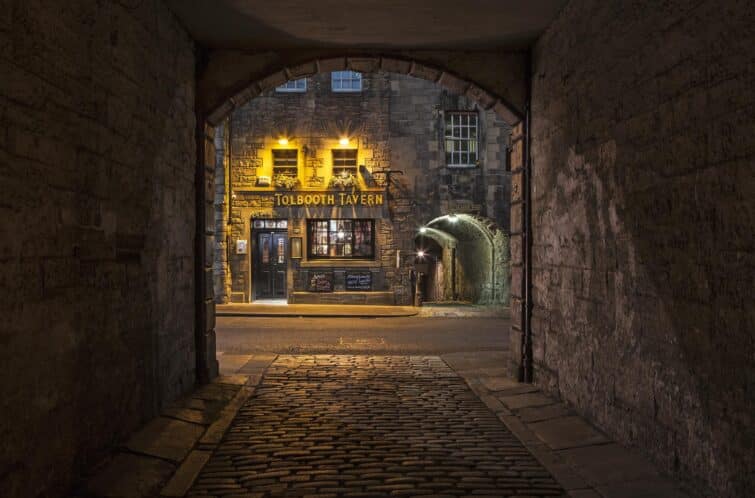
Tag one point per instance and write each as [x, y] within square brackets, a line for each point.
[221, 273]
[97, 160]
[643, 190]
[398, 122]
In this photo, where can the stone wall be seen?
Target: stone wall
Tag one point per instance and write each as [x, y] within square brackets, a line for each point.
[642, 161]
[396, 122]
[97, 162]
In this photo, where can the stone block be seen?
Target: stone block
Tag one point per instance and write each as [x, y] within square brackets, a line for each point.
[567, 432]
[166, 438]
[129, 475]
[334, 64]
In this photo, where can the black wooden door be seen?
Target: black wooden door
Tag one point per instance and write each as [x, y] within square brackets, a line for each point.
[270, 264]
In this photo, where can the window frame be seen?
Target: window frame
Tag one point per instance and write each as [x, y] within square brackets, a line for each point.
[456, 152]
[284, 88]
[341, 167]
[286, 166]
[350, 79]
[310, 239]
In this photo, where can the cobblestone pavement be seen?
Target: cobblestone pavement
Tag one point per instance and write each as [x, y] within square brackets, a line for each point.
[361, 426]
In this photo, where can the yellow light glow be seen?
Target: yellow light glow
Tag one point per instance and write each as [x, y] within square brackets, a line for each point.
[420, 254]
[283, 141]
[344, 141]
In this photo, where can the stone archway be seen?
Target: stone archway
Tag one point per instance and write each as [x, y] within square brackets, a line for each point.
[272, 78]
[475, 253]
[211, 112]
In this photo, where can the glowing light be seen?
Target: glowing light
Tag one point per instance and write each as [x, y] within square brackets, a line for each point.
[420, 254]
[283, 141]
[344, 141]
[423, 230]
[453, 218]
[340, 234]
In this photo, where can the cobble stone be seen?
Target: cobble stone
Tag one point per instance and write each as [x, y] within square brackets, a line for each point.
[362, 426]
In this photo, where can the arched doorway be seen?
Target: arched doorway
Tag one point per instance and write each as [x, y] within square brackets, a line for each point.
[474, 250]
[465, 258]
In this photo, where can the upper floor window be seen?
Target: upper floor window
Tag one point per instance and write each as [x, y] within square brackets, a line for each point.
[345, 161]
[461, 139]
[346, 81]
[299, 85]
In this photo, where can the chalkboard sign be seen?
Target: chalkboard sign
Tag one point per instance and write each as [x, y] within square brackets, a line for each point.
[320, 281]
[359, 280]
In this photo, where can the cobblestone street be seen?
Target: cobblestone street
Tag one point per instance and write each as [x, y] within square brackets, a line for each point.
[358, 426]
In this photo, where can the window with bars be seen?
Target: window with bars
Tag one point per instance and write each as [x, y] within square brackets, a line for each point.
[461, 139]
[342, 238]
[293, 86]
[345, 161]
[346, 81]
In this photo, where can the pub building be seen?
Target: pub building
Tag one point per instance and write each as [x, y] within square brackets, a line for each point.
[339, 188]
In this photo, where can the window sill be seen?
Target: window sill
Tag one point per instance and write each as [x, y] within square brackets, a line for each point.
[461, 166]
[342, 263]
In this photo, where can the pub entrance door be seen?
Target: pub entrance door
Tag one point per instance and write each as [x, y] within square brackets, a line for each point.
[269, 264]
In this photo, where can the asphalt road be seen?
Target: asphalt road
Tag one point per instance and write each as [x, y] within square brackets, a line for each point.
[407, 335]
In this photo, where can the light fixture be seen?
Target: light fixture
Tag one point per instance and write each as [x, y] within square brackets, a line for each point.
[340, 234]
[344, 141]
[453, 218]
[283, 141]
[420, 254]
[423, 229]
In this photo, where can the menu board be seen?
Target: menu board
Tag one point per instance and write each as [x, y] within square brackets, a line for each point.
[320, 281]
[359, 280]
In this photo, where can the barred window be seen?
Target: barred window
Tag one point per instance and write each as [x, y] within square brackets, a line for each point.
[461, 139]
[285, 159]
[293, 86]
[341, 239]
[346, 81]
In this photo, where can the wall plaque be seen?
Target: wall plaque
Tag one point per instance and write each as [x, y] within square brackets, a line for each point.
[359, 280]
[320, 281]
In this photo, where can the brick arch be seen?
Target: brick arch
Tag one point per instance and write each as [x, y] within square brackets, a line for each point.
[368, 64]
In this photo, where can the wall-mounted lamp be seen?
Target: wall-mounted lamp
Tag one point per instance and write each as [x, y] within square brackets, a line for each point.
[283, 141]
[344, 141]
[423, 229]
[453, 218]
[420, 254]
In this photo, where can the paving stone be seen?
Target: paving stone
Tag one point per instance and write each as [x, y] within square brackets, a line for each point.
[608, 463]
[498, 383]
[526, 400]
[187, 415]
[540, 413]
[343, 425]
[567, 432]
[166, 438]
[129, 475]
[184, 477]
[230, 363]
[644, 488]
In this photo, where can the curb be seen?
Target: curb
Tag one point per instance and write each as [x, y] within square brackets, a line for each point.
[308, 315]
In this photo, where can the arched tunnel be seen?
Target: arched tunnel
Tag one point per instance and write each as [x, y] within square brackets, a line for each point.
[463, 259]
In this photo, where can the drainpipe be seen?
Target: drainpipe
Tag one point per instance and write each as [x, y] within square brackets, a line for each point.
[527, 370]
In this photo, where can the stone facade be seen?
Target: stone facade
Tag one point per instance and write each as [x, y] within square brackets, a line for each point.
[97, 222]
[396, 123]
[642, 150]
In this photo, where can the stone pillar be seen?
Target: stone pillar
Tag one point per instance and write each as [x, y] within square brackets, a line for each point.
[221, 269]
[207, 364]
[517, 244]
